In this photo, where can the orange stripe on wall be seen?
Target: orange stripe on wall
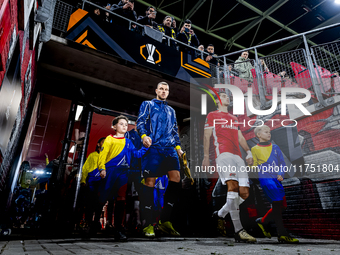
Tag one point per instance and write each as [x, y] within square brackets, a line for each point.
[75, 17]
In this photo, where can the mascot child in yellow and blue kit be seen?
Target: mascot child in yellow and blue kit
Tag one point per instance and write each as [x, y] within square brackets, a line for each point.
[270, 162]
[113, 164]
[90, 177]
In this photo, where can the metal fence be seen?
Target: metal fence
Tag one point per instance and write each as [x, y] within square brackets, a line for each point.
[288, 69]
[326, 59]
[62, 13]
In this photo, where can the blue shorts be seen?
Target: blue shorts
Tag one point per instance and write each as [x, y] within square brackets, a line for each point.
[273, 189]
[93, 180]
[114, 184]
[159, 161]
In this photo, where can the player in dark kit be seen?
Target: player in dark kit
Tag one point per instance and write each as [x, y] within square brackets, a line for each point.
[157, 126]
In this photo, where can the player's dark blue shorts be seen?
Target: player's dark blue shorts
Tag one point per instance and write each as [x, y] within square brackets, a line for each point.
[159, 161]
[273, 189]
[114, 184]
[93, 180]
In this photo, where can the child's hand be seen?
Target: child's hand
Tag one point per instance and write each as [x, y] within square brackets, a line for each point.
[279, 178]
[103, 174]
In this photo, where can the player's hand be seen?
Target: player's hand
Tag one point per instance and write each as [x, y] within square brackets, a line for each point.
[280, 178]
[249, 158]
[147, 141]
[250, 161]
[103, 174]
[180, 153]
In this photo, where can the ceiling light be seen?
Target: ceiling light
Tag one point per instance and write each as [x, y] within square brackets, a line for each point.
[337, 1]
[306, 8]
[78, 112]
[319, 17]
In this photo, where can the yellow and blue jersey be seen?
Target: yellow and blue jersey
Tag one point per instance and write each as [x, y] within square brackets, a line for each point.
[117, 151]
[89, 166]
[270, 162]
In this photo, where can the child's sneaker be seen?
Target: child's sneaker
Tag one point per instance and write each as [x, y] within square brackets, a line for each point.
[260, 224]
[149, 231]
[287, 239]
[167, 228]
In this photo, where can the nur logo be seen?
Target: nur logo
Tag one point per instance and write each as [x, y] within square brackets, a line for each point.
[152, 53]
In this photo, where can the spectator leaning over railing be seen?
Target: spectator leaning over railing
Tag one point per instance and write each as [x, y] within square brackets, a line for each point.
[149, 18]
[211, 57]
[244, 67]
[124, 8]
[187, 35]
[167, 30]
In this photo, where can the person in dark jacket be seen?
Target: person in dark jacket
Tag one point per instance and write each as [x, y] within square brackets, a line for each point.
[124, 8]
[187, 36]
[211, 57]
[157, 126]
[167, 30]
[149, 18]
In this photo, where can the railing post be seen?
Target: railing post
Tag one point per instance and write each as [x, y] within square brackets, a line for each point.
[218, 74]
[83, 152]
[316, 85]
[83, 5]
[226, 75]
[259, 82]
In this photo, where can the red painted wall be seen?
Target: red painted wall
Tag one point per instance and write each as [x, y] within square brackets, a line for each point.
[16, 36]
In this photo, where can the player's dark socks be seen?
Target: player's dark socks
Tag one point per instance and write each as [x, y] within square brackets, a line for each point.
[170, 198]
[148, 201]
[269, 215]
[277, 215]
[109, 210]
[119, 214]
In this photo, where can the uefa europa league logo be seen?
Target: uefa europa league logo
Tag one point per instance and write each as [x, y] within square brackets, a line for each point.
[151, 50]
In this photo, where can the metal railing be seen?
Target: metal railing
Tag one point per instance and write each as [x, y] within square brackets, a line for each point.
[314, 68]
[131, 22]
[62, 13]
[326, 58]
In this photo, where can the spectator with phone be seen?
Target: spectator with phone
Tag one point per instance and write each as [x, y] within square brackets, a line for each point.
[124, 8]
[149, 18]
[187, 36]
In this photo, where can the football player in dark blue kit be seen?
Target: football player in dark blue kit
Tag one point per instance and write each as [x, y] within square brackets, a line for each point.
[157, 126]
